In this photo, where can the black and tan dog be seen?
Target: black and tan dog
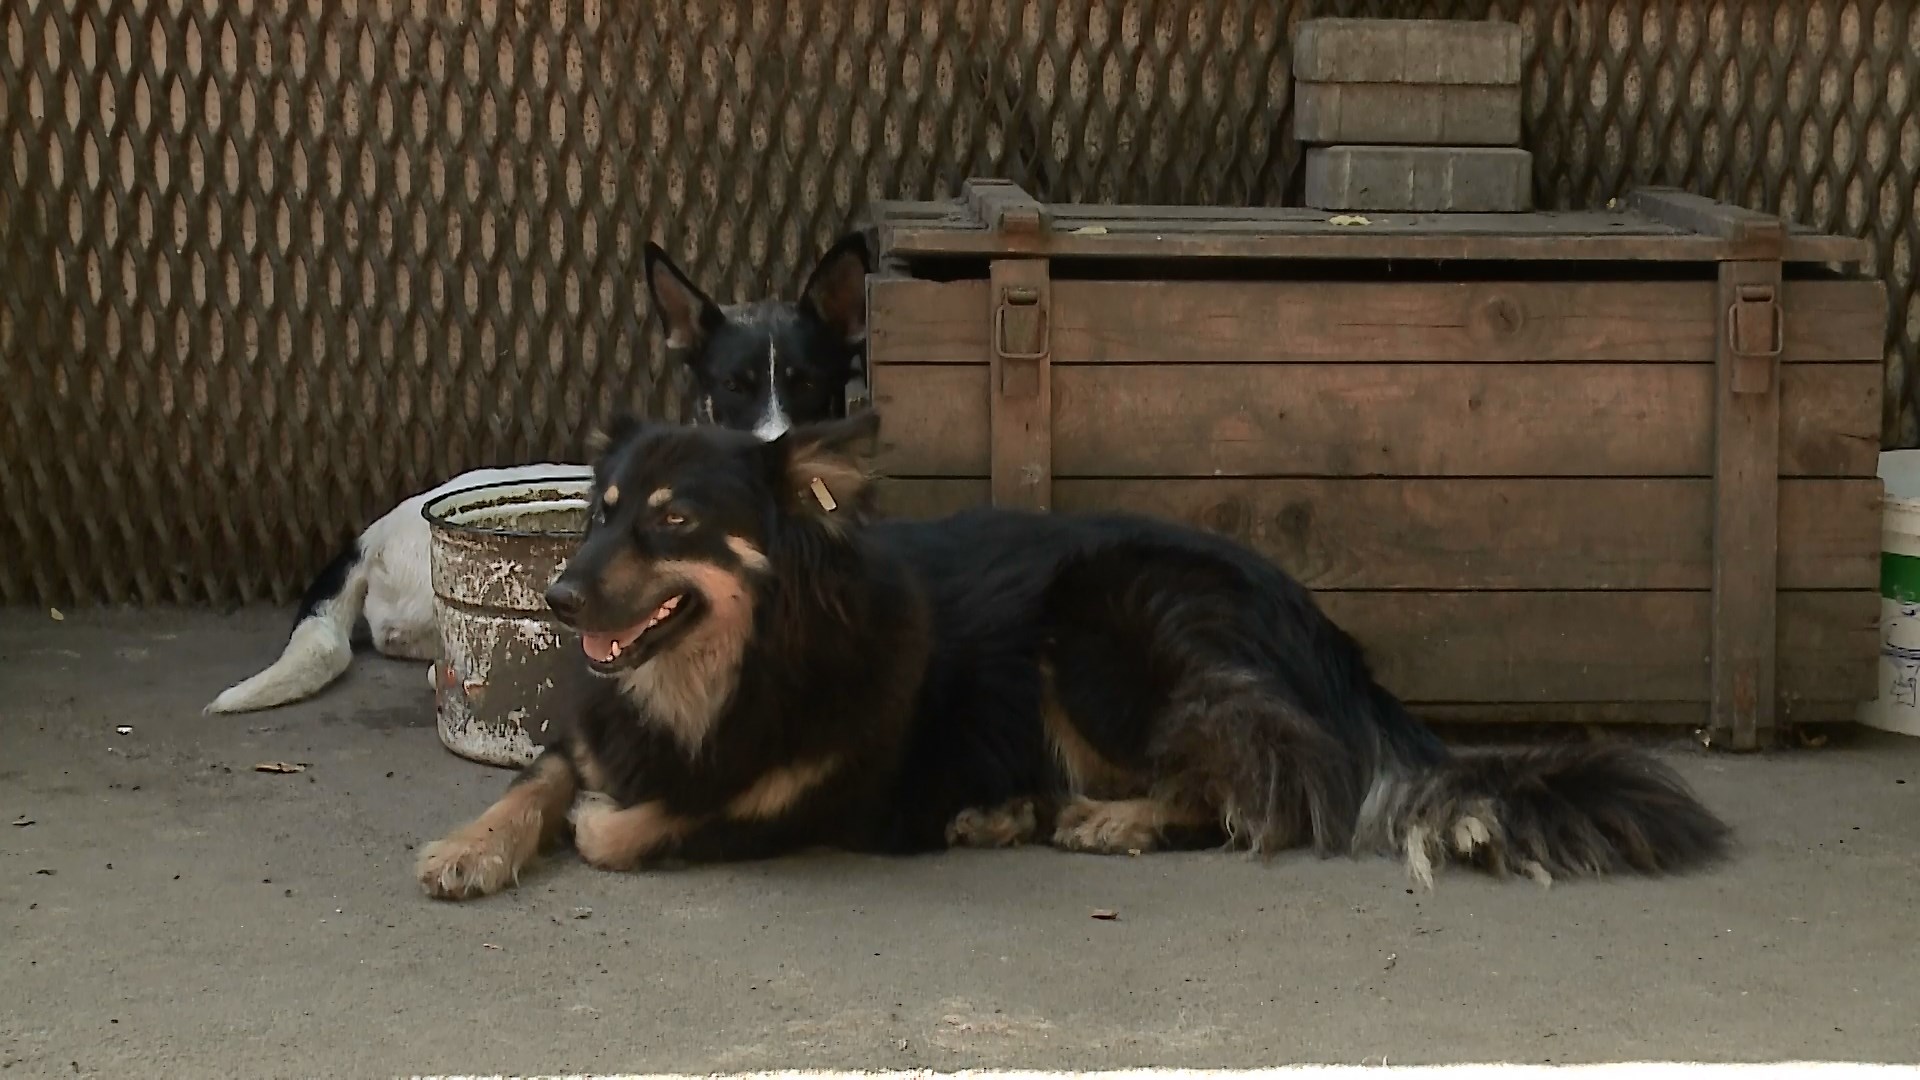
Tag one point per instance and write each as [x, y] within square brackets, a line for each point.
[778, 672]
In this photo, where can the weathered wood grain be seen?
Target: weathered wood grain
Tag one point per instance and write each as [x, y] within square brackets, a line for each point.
[1597, 646]
[1020, 413]
[906, 230]
[1746, 515]
[1004, 206]
[1690, 716]
[1167, 420]
[917, 321]
[1476, 534]
[1830, 419]
[1552, 238]
[1752, 234]
[913, 321]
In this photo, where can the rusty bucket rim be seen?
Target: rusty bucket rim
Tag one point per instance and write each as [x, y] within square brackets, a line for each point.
[436, 518]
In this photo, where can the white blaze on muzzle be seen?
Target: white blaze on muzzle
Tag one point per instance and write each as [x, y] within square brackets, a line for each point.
[773, 422]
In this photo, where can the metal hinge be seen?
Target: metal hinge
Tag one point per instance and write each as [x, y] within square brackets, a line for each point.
[1756, 336]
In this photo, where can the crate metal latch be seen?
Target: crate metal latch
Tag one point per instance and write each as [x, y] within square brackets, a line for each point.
[1756, 336]
[1020, 335]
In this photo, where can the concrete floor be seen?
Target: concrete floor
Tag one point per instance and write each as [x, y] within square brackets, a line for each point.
[169, 911]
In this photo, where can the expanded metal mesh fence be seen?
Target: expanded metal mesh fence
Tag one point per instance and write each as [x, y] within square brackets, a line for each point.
[266, 267]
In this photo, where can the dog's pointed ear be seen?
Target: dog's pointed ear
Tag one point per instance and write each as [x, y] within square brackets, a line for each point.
[622, 427]
[824, 468]
[836, 291]
[688, 314]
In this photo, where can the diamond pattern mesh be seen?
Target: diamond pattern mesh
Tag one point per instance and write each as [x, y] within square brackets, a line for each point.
[266, 267]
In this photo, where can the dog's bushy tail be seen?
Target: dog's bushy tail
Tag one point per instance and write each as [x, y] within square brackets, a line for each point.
[321, 645]
[1562, 812]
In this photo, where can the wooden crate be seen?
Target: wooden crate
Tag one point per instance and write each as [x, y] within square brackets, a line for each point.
[1598, 466]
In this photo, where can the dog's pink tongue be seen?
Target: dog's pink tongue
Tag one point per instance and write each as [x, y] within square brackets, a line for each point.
[597, 646]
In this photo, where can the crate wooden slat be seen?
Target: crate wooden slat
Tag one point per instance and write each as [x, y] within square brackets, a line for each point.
[1174, 232]
[1439, 533]
[1461, 647]
[1339, 419]
[1616, 464]
[1690, 716]
[915, 321]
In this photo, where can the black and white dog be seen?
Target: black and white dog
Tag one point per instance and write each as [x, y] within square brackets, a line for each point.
[761, 366]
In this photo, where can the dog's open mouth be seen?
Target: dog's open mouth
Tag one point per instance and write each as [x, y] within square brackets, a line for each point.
[634, 645]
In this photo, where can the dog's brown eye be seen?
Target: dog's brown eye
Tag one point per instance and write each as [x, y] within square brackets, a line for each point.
[676, 520]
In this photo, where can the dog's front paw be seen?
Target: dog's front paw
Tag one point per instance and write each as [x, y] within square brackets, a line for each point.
[1007, 825]
[1106, 828]
[598, 833]
[464, 866]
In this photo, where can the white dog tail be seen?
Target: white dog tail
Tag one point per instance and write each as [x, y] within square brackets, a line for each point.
[321, 645]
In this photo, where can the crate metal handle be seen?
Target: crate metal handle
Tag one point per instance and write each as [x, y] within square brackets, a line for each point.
[1739, 325]
[1753, 364]
[1022, 296]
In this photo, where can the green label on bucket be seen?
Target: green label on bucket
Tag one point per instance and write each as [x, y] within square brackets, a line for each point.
[1900, 577]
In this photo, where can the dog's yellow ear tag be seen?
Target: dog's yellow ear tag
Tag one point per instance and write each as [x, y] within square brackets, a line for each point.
[824, 497]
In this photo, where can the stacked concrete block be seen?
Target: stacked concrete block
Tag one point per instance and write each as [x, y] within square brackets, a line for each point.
[1411, 115]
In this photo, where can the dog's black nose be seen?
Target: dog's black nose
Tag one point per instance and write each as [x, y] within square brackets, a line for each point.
[566, 599]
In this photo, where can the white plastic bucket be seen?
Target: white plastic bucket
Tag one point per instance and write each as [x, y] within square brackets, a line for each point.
[1898, 705]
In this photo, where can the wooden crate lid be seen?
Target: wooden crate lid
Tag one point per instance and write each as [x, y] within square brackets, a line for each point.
[995, 218]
